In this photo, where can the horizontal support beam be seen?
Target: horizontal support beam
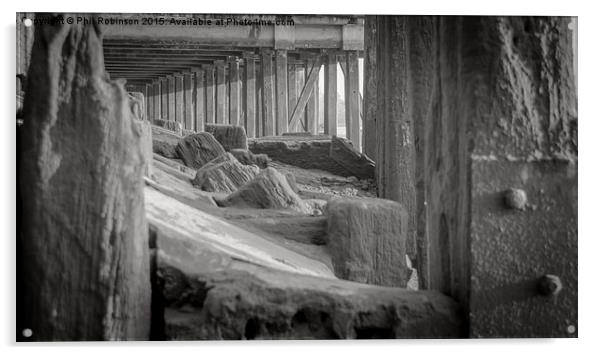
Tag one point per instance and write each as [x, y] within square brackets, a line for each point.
[173, 58]
[143, 66]
[167, 51]
[302, 36]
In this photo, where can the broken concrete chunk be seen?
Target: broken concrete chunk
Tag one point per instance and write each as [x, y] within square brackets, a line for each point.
[297, 134]
[292, 181]
[165, 142]
[269, 189]
[267, 304]
[224, 174]
[317, 205]
[248, 158]
[357, 163]
[176, 164]
[170, 125]
[198, 149]
[367, 239]
[229, 136]
[302, 151]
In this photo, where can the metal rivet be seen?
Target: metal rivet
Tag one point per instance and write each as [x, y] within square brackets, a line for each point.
[515, 199]
[549, 285]
[27, 22]
[27, 332]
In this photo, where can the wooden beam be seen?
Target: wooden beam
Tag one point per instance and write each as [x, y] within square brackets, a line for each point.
[352, 99]
[301, 76]
[250, 96]
[269, 125]
[220, 84]
[343, 66]
[147, 92]
[179, 98]
[368, 106]
[293, 92]
[312, 104]
[259, 100]
[330, 95]
[171, 101]
[302, 36]
[156, 99]
[188, 102]
[308, 88]
[164, 101]
[235, 101]
[281, 92]
[150, 98]
[210, 93]
[199, 102]
[171, 62]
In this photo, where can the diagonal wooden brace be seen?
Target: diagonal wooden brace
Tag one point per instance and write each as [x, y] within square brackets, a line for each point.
[307, 90]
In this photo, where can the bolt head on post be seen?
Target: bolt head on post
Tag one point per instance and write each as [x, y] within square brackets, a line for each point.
[515, 199]
[549, 285]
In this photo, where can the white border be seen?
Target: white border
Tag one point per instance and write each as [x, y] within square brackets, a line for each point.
[590, 130]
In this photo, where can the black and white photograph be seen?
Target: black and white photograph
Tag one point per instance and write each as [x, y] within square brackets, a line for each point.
[214, 176]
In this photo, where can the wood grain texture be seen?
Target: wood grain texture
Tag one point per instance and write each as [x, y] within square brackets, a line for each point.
[84, 256]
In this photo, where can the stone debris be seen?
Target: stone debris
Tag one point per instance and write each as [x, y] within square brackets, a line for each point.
[270, 189]
[248, 158]
[332, 154]
[290, 178]
[229, 136]
[307, 152]
[357, 163]
[367, 238]
[209, 294]
[224, 174]
[297, 134]
[198, 149]
[187, 132]
[165, 142]
[170, 125]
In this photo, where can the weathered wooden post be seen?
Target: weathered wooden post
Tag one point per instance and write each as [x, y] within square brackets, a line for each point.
[83, 256]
